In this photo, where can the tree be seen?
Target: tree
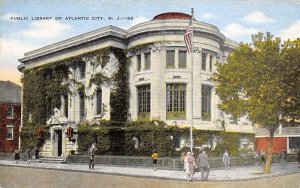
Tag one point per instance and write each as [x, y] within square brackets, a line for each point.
[259, 81]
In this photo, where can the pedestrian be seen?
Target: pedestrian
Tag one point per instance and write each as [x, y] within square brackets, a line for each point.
[298, 156]
[190, 165]
[203, 165]
[36, 154]
[263, 157]
[226, 159]
[256, 158]
[92, 156]
[181, 159]
[17, 156]
[283, 157]
[154, 157]
[27, 156]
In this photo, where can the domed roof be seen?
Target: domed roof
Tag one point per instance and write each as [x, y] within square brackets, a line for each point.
[172, 15]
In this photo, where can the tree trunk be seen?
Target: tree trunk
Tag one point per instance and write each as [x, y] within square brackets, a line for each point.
[267, 168]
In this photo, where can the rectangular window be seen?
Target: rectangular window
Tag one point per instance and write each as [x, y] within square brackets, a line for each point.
[10, 132]
[176, 141]
[139, 62]
[82, 71]
[233, 120]
[203, 62]
[99, 101]
[147, 61]
[10, 112]
[176, 94]
[66, 108]
[206, 103]
[144, 101]
[182, 59]
[210, 62]
[82, 106]
[170, 59]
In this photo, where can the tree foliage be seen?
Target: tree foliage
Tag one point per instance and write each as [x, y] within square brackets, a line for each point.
[290, 81]
[261, 80]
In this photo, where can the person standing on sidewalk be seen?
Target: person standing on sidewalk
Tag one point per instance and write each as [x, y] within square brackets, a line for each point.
[154, 157]
[36, 154]
[190, 165]
[17, 156]
[263, 157]
[203, 165]
[298, 156]
[181, 159]
[256, 158]
[92, 156]
[226, 160]
[283, 157]
[27, 156]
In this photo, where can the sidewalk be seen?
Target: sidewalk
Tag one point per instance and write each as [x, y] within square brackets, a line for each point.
[216, 174]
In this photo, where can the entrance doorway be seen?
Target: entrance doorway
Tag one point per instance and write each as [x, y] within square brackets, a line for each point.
[58, 135]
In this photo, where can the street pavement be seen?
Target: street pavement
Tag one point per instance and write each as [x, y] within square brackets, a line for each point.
[216, 174]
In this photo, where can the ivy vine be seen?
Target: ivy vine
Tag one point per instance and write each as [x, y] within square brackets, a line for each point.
[44, 85]
[113, 140]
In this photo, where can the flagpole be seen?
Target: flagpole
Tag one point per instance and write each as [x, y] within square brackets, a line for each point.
[192, 51]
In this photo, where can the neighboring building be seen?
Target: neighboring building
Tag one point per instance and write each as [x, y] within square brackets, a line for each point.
[287, 138]
[164, 84]
[10, 116]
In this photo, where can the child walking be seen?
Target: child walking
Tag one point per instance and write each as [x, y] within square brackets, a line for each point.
[154, 157]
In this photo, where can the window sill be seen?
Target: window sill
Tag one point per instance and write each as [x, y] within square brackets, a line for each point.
[98, 116]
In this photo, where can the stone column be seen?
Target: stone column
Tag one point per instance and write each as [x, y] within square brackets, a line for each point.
[197, 85]
[133, 99]
[157, 83]
[63, 142]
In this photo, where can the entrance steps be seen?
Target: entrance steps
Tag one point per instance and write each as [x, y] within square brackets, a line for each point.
[52, 160]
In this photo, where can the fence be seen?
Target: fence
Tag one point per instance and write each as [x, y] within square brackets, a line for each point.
[6, 156]
[164, 162]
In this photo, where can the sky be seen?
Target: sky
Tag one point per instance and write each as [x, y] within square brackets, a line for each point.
[21, 30]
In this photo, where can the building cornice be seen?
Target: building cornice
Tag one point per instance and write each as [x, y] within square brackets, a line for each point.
[112, 33]
[231, 44]
[177, 25]
[75, 41]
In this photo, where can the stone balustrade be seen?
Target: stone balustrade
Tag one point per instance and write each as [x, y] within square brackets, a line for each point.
[284, 131]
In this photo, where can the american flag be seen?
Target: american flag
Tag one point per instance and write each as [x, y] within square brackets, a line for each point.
[188, 38]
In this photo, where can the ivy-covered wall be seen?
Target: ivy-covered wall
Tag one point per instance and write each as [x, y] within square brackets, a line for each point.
[44, 85]
[119, 95]
[42, 90]
[152, 135]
